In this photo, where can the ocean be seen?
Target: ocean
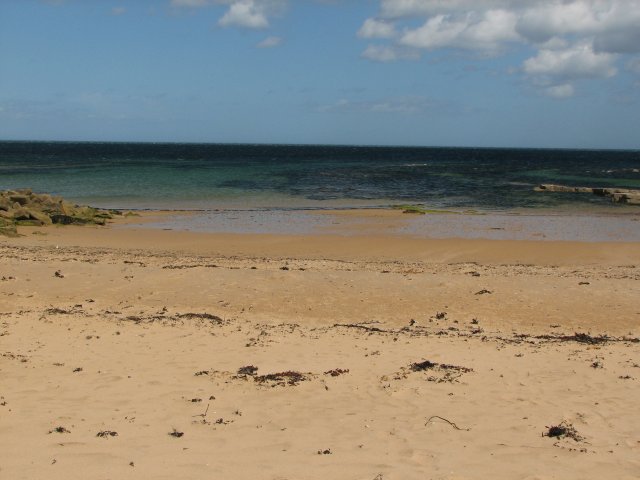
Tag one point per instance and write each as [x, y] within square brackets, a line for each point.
[281, 177]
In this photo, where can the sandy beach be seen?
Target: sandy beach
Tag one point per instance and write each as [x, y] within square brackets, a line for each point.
[319, 240]
[144, 353]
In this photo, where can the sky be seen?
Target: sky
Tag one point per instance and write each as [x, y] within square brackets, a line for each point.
[475, 73]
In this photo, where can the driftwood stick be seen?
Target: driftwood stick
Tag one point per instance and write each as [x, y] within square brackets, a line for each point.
[203, 415]
[448, 421]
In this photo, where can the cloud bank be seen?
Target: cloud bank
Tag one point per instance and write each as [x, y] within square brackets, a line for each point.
[572, 40]
[567, 41]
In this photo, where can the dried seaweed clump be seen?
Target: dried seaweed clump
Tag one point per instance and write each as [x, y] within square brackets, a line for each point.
[336, 372]
[563, 430]
[442, 372]
[283, 379]
[249, 370]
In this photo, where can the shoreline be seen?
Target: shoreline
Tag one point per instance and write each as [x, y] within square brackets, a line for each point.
[594, 209]
[132, 234]
[433, 224]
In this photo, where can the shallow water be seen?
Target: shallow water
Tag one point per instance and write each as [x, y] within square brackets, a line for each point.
[492, 226]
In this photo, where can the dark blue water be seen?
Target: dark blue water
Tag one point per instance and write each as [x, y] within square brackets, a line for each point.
[134, 175]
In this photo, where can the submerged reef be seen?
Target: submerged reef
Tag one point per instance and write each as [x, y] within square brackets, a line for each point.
[617, 195]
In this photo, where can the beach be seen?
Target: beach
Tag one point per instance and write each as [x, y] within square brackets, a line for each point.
[311, 240]
[136, 352]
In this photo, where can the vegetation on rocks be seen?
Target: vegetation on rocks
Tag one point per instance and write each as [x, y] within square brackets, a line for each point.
[24, 207]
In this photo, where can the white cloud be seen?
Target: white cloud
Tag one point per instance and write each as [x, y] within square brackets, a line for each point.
[374, 28]
[245, 13]
[190, 3]
[625, 39]
[240, 13]
[554, 43]
[412, 8]
[401, 105]
[559, 91]
[270, 42]
[545, 20]
[573, 39]
[579, 61]
[487, 31]
[385, 53]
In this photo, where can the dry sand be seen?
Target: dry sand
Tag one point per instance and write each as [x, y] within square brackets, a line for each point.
[143, 332]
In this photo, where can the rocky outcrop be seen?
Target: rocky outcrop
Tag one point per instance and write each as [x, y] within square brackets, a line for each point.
[24, 207]
[617, 195]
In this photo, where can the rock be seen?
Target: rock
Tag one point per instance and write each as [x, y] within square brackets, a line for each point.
[32, 217]
[5, 203]
[68, 220]
[19, 199]
[67, 209]
[45, 200]
[40, 216]
[23, 207]
[21, 213]
[7, 229]
[617, 195]
[85, 212]
[549, 187]
[628, 198]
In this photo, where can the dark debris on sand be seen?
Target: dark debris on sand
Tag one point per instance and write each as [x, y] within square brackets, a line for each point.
[288, 378]
[59, 430]
[282, 379]
[442, 372]
[248, 370]
[163, 318]
[336, 372]
[563, 430]
[428, 365]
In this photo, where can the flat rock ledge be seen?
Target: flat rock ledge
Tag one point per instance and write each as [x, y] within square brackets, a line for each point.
[617, 195]
[24, 207]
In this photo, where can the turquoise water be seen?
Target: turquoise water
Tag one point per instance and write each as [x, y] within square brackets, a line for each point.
[175, 176]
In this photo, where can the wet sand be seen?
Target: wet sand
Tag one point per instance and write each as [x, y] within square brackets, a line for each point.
[378, 356]
[571, 225]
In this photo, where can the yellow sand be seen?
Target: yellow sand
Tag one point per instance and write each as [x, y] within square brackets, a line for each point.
[106, 345]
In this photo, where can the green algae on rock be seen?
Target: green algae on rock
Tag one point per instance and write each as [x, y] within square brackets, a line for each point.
[23, 207]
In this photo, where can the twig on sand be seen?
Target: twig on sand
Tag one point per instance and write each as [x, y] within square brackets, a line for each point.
[203, 415]
[448, 421]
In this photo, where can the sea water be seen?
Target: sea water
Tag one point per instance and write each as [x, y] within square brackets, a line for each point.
[281, 177]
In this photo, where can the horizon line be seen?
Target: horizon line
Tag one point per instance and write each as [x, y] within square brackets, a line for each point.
[339, 145]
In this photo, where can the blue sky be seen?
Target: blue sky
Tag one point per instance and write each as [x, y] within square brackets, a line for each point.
[507, 73]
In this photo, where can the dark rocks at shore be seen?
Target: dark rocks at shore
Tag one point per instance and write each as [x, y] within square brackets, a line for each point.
[617, 195]
[24, 207]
